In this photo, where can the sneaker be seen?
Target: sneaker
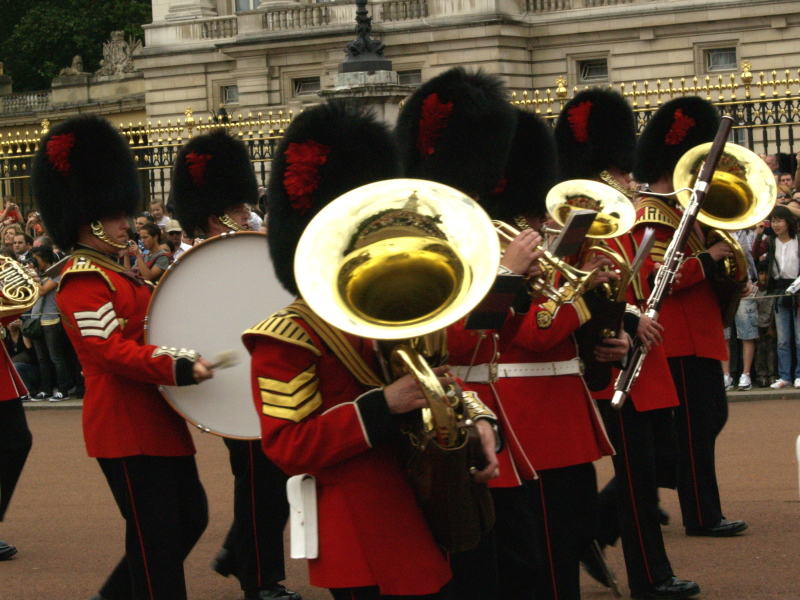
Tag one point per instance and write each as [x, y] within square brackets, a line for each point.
[745, 383]
[728, 382]
[56, 397]
[797, 382]
[780, 383]
[39, 397]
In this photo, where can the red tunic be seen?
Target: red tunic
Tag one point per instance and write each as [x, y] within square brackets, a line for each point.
[654, 388]
[690, 315]
[123, 412]
[548, 422]
[371, 530]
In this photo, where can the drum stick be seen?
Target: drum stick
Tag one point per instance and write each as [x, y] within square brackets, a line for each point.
[225, 359]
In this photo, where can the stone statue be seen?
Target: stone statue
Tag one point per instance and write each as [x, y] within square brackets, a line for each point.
[117, 54]
[75, 69]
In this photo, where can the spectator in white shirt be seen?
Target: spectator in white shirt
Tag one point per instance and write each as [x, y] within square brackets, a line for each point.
[783, 258]
[157, 210]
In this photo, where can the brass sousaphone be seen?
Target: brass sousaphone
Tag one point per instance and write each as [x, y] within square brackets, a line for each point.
[742, 193]
[398, 261]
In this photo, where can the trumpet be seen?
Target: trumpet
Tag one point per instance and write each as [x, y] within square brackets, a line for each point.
[572, 282]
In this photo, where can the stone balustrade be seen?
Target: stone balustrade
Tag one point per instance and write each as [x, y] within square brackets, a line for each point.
[301, 17]
[219, 28]
[27, 102]
[403, 10]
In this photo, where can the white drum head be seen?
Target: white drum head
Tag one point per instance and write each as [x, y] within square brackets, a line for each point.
[204, 302]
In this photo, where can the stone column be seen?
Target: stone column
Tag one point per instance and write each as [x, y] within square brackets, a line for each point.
[191, 9]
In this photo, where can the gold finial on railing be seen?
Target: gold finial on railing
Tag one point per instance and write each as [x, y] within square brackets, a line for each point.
[561, 90]
[189, 120]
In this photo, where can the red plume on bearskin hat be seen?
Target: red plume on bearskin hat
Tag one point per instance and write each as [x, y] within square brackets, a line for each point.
[595, 130]
[327, 151]
[83, 172]
[457, 129]
[678, 126]
[529, 173]
[212, 173]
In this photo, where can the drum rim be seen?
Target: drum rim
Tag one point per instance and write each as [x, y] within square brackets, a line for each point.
[170, 269]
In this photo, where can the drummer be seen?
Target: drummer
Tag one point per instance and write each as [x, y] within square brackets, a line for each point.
[85, 180]
[212, 184]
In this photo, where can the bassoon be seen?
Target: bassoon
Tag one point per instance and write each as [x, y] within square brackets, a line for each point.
[673, 258]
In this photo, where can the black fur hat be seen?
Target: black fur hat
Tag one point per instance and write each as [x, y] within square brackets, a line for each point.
[83, 172]
[530, 172]
[678, 126]
[327, 151]
[595, 131]
[212, 173]
[457, 129]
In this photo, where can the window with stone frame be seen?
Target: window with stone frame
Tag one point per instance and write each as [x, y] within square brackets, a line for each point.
[720, 59]
[592, 70]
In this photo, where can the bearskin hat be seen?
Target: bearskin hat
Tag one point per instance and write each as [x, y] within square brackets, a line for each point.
[83, 172]
[327, 151]
[678, 126]
[595, 131]
[212, 173]
[457, 129]
[529, 174]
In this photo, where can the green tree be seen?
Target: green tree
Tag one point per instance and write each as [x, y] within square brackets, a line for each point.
[48, 33]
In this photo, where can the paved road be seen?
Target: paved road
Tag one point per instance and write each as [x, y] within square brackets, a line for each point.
[70, 534]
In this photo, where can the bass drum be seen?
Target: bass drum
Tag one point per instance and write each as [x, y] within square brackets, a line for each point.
[205, 301]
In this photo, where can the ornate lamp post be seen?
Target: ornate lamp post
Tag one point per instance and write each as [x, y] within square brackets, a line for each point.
[364, 53]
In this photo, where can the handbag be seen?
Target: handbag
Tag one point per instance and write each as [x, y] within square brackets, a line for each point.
[32, 328]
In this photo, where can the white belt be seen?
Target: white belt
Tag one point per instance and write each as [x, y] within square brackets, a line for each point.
[490, 373]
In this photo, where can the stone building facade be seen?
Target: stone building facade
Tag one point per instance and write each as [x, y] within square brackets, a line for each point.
[261, 55]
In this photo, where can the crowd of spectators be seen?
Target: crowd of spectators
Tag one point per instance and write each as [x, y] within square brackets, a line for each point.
[37, 342]
[765, 337]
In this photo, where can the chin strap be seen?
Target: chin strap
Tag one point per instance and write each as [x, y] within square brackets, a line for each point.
[608, 179]
[100, 233]
[230, 223]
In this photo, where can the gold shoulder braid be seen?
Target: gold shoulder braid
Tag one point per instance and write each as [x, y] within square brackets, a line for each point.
[87, 264]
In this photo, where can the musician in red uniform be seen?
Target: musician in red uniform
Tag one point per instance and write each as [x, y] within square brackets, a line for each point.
[15, 437]
[85, 180]
[529, 373]
[212, 183]
[693, 332]
[596, 136]
[323, 409]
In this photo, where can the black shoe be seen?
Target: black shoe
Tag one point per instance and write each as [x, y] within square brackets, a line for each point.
[663, 516]
[724, 528]
[594, 568]
[276, 592]
[7, 551]
[224, 563]
[672, 589]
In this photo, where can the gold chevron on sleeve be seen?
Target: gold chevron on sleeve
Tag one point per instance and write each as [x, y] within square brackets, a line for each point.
[282, 326]
[293, 400]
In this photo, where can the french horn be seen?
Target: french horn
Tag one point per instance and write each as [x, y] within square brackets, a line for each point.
[18, 290]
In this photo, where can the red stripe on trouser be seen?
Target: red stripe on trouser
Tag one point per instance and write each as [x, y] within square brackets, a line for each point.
[633, 497]
[138, 528]
[691, 446]
[253, 511]
[547, 539]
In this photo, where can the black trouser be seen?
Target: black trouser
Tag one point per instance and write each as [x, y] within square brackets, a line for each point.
[699, 419]
[260, 512]
[628, 505]
[166, 512]
[15, 444]
[475, 572]
[373, 593]
[543, 528]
